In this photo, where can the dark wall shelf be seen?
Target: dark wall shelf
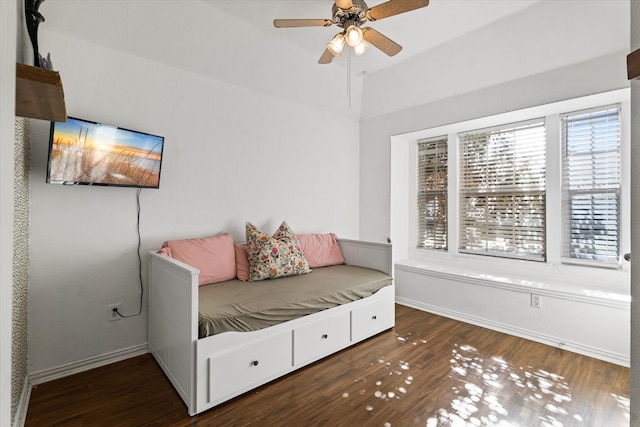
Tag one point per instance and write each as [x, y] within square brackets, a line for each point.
[633, 65]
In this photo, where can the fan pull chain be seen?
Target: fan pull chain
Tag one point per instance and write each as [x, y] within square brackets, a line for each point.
[349, 78]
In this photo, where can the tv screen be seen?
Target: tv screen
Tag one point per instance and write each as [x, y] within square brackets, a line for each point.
[82, 152]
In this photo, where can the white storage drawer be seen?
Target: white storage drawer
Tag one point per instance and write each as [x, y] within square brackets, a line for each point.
[242, 367]
[371, 319]
[318, 339]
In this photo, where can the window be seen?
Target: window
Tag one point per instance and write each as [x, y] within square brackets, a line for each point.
[591, 186]
[548, 184]
[432, 193]
[502, 191]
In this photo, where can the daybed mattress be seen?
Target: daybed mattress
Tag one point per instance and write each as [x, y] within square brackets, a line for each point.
[249, 306]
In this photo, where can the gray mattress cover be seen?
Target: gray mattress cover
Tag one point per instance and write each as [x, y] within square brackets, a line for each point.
[249, 306]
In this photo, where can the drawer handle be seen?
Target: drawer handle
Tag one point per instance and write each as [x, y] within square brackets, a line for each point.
[325, 336]
[374, 317]
[255, 363]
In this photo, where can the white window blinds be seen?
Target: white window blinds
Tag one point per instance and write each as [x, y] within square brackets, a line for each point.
[502, 191]
[591, 186]
[432, 193]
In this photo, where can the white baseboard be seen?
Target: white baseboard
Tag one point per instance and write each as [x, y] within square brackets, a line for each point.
[47, 375]
[575, 347]
[23, 405]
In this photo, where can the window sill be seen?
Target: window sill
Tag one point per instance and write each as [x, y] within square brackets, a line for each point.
[576, 283]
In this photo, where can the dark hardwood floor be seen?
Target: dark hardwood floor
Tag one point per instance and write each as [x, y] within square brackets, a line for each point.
[427, 371]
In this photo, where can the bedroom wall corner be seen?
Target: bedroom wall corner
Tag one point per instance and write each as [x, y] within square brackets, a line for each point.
[635, 224]
[8, 29]
[231, 155]
[19, 372]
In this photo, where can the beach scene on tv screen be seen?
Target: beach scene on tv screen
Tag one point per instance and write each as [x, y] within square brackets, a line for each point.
[89, 153]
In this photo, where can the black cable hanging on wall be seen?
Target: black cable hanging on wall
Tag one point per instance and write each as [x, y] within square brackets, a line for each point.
[116, 310]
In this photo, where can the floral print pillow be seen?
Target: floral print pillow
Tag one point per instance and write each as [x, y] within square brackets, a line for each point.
[276, 256]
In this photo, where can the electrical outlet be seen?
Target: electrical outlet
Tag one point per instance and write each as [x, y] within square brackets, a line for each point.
[111, 312]
[536, 301]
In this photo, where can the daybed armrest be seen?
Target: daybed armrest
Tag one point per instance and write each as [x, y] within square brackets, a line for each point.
[173, 321]
[377, 256]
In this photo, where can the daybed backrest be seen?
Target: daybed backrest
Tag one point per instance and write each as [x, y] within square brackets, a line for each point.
[377, 256]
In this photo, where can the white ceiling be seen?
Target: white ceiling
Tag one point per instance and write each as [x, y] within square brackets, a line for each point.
[234, 41]
[416, 31]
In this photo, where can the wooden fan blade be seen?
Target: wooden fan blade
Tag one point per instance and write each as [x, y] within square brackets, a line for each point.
[326, 57]
[344, 4]
[394, 7]
[292, 23]
[381, 41]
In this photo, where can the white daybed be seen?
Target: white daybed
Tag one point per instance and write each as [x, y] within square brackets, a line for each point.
[211, 370]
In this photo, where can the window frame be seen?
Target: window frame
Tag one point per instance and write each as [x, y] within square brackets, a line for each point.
[435, 193]
[403, 183]
[616, 191]
[495, 188]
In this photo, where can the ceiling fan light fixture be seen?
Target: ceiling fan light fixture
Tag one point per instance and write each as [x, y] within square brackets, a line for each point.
[353, 35]
[361, 48]
[336, 44]
[350, 16]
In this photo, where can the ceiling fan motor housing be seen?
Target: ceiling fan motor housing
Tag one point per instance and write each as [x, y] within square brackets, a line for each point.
[356, 15]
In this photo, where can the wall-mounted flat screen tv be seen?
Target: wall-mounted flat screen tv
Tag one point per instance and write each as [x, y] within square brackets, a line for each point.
[82, 152]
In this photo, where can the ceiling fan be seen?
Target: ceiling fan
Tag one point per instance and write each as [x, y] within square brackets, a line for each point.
[350, 15]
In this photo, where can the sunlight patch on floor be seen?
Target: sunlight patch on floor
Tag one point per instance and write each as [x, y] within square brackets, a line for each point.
[624, 404]
[485, 389]
[396, 382]
[484, 405]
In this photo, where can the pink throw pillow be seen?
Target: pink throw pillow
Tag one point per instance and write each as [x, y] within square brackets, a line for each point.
[213, 256]
[242, 262]
[320, 250]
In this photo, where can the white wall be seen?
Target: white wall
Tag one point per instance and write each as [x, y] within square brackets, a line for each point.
[635, 223]
[79, 267]
[557, 59]
[595, 76]
[8, 13]
[231, 155]
[546, 36]
[534, 71]
[596, 328]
